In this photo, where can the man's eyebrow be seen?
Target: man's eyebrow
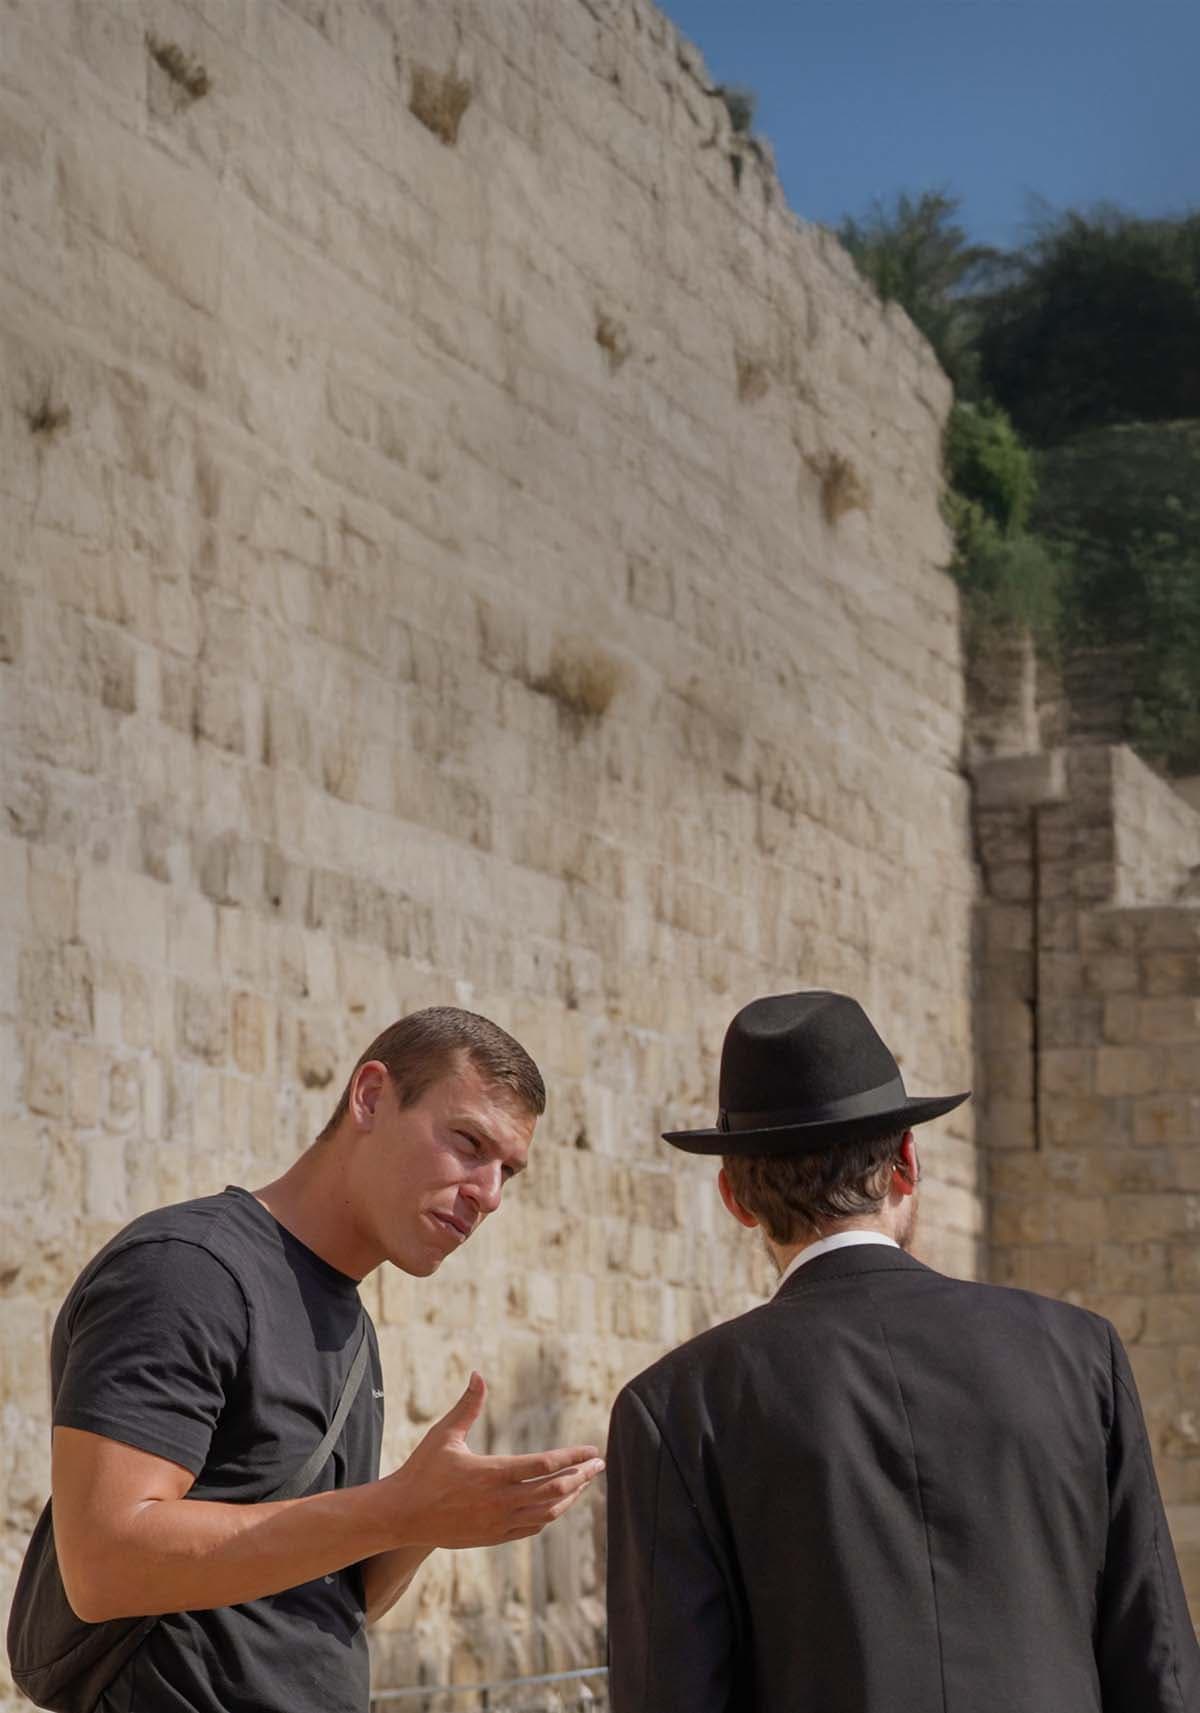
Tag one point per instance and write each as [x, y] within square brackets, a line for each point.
[482, 1134]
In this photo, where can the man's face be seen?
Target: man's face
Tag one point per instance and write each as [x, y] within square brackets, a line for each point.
[429, 1174]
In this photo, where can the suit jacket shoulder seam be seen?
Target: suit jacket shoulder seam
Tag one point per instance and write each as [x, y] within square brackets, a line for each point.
[718, 1556]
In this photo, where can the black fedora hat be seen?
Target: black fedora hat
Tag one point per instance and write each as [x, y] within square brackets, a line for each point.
[801, 1072]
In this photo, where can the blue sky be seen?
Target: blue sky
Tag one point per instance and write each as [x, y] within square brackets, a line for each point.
[1000, 101]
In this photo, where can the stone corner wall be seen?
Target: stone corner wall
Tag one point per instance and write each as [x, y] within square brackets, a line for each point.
[1088, 1026]
[1156, 834]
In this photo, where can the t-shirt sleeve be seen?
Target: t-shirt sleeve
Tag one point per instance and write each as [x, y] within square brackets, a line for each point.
[155, 1339]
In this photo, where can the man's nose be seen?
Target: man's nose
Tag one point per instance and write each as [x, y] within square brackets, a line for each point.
[485, 1186]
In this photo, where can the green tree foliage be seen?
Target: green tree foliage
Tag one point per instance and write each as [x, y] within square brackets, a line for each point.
[987, 463]
[1097, 322]
[916, 254]
[1011, 577]
[1086, 342]
[1123, 506]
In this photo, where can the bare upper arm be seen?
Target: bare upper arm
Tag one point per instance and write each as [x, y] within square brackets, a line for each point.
[98, 1486]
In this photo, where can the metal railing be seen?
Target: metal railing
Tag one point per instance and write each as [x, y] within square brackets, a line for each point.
[584, 1690]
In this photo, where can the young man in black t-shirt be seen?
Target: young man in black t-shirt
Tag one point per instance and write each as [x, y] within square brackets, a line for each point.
[199, 1357]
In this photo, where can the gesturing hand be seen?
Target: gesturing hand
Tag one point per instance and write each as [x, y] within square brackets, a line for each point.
[446, 1495]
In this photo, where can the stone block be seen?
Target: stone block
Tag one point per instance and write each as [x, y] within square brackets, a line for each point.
[201, 1022]
[1163, 1118]
[1122, 1021]
[1057, 926]
[85, 1084]
[105, 1186]
[1014, 1223]
[1126, 1070]
[219, 713]
[1082, 1121]
[46, 1076]
[1103, 932]
[123, 1100]
[1020, 781]
[123, 916]
[1007, 1124]
[1166, 929]
[1005, 929]
[1139, 1268]
[1071, 1071]
[1152, 1218]
[1111, 973]
[1171, 1319]
[1004, 1026]
[27, 1161]
[53, 893]
[1053, 1271]
[317, 1057]
[1184, 1264]
[1010, 882]
[1169, 1020]
[191, 937]
[251, 1033]
[56, 986]
[1165, 974]
[1070, 1022]
[166, 219]
[1004, 1077]
[1060, 975]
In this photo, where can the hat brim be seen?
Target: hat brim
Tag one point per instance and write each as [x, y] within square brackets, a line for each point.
[814, 1138]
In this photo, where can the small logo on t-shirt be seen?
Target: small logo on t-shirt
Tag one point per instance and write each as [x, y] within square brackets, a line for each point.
[375, 1394]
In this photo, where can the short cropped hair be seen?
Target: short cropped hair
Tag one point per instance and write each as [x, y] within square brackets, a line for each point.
[427, 1045]
[798, 1196]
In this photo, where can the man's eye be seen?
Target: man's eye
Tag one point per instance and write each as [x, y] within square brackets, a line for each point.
[472, 1142]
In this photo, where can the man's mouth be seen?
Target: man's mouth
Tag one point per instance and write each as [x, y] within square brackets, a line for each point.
[458, 1227]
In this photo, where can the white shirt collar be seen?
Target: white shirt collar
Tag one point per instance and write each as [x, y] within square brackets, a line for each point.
[836, 1240]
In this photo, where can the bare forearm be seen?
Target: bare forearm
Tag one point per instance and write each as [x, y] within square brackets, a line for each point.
[387, 1576]
[176, 1555]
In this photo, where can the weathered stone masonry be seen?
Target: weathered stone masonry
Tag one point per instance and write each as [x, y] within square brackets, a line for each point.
[1088, 1081]
[462, 540]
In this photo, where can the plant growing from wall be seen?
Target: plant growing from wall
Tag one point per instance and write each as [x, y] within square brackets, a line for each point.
[440, 101]
[1010, 576]
[183, 70]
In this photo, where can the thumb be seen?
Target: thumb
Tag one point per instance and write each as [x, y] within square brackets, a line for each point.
[461, 1417]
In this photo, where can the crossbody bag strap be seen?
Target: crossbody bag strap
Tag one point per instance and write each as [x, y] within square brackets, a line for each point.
[303, 1479]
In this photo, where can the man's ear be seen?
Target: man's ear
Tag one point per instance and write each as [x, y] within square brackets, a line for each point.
[366, 1086]
[740, 1213]
[908, 1164]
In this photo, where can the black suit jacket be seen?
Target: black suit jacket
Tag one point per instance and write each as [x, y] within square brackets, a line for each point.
[887, 1491]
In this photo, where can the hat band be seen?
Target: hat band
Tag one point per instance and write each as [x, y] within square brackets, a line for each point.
[888, 1097]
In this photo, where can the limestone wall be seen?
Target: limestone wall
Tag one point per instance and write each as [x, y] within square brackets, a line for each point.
[1089, 1079]
[462, 541]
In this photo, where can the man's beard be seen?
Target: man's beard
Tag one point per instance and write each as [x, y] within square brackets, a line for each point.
[908, 1236]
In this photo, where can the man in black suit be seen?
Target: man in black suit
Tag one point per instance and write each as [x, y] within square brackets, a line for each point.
[884, 1491]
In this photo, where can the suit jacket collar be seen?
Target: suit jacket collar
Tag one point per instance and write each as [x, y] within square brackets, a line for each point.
[848, 1263]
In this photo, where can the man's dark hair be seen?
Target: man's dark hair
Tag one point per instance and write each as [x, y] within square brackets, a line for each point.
[427, 1045]
[797, 1196]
